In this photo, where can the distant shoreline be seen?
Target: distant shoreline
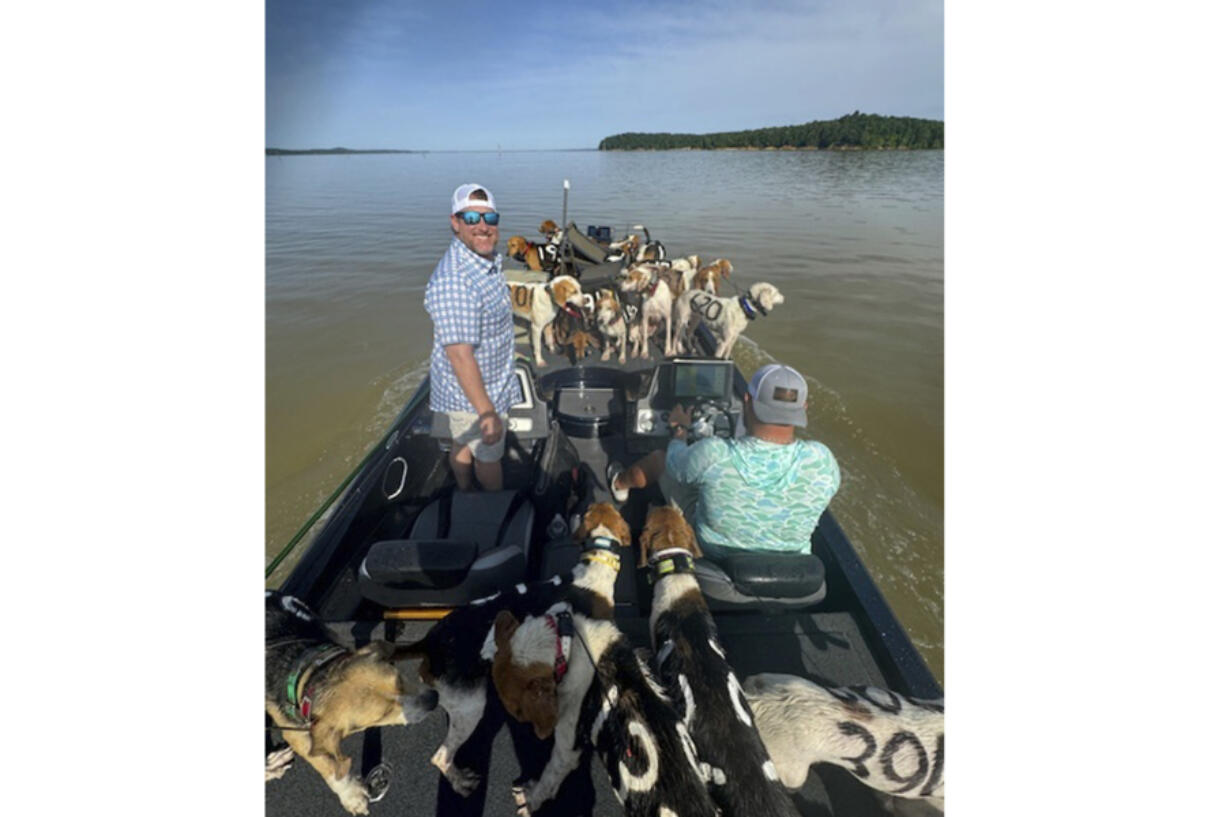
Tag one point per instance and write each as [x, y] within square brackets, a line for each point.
[328, 151]
[854, 131]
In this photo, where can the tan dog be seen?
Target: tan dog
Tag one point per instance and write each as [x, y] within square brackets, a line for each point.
[707, 278]
[320, 692]
[539, 304]
[551, 231]
[538, 257]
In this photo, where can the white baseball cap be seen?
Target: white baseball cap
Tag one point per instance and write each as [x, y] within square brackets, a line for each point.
[460, 199]
[779, 394]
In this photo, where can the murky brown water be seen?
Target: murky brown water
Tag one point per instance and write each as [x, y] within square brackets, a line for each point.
[853, 240]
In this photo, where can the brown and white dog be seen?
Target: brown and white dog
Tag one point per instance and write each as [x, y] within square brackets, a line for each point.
[457, 653]
[893, 743]
[707, 278]
[538, 257]
[570, 333]
[320, 692]
[538, 304]
[656, 309]
[607, 698]
[698, 678]
[552, 232]
[725, 317]
[611, 324]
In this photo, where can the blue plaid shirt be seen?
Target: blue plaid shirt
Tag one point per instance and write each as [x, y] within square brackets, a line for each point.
[469, 302]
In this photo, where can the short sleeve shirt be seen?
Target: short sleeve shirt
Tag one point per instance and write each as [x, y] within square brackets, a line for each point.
[756, 495]
[469, 302]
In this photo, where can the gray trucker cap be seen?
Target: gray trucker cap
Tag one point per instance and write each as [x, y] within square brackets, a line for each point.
[779, 394]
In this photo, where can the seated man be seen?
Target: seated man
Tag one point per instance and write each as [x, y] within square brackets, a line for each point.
[763, 492]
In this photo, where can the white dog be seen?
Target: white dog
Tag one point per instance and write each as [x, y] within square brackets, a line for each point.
[725, 317]
[538, 304]
[657, 307]
[893, 743]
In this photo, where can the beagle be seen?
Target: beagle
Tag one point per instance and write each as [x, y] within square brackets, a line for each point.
[319, 692]
[698, 678]
[539, 304]
[893, 743]
[611, 324]
[707, 278]
[725, 317]
[570, 330]
[656, 310]
[607, 698]
[552, 232]
[458, 651]
[538, 257]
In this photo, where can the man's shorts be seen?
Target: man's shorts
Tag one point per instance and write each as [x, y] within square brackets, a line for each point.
[466, 430]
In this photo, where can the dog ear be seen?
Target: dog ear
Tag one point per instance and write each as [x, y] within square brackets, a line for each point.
[694, 548]
[505, 626]
[540, 705]
[646, 538]
[622, 530]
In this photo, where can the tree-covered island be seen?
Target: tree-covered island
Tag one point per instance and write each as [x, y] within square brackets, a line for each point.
[854, 131]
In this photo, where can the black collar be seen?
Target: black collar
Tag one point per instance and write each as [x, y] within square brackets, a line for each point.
[668, 563]
[748, 304]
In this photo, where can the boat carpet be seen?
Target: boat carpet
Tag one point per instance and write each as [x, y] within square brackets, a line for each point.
[818, 645]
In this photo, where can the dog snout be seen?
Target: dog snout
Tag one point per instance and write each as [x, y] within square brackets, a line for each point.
[417, 707]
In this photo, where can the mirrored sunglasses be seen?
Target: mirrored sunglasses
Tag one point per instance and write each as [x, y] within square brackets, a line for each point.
[471, 217]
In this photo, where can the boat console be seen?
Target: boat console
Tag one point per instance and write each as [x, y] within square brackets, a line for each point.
[702, 384]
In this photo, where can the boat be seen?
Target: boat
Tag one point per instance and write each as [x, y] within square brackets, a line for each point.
[362, 572]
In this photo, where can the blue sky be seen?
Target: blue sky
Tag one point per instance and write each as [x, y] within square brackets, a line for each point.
[474, 75]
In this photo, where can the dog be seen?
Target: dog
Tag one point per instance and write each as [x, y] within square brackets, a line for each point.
[725, 317]
[707, 278]
[698, 678]
[570, 330]
[611, 324]
[539, 305]
[319, 692]
[656, 310]
[552, 232]
[893, 743]
[608, 698]
[458, 652]
[538, 257]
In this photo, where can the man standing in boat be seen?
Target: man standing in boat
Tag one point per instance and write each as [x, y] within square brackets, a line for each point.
[472, 372]
[764, 491]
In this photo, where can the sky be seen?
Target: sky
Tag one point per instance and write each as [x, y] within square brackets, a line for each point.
[540, 74]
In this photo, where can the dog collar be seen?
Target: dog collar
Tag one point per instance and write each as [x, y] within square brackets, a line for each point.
[600, 543]
[669, 562]
[655, 282]
[572, 311]
[297, 688]
[563, 625]
[606, 557]
[748, 306]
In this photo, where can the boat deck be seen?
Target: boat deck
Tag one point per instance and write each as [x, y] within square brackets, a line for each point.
[826, 645]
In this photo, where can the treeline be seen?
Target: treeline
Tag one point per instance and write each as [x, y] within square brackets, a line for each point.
[857, 130]
[326, 151]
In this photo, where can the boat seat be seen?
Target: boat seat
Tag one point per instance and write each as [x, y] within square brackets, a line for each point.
[762, 581]
[462, 546]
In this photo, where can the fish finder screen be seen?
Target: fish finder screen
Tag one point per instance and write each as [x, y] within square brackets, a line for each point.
[697, 380]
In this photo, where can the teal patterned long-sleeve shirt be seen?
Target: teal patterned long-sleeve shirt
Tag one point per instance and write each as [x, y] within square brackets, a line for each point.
[753, 494]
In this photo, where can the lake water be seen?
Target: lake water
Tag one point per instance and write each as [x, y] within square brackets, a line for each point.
[854, 240]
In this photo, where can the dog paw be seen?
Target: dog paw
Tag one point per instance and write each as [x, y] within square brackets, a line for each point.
[353, 796]
[521, 801]
[463, 781]
[278, 763]
[540, 362]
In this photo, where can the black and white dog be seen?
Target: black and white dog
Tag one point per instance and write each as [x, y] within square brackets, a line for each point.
[699, 680]
[458, 651]
[606, 698]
